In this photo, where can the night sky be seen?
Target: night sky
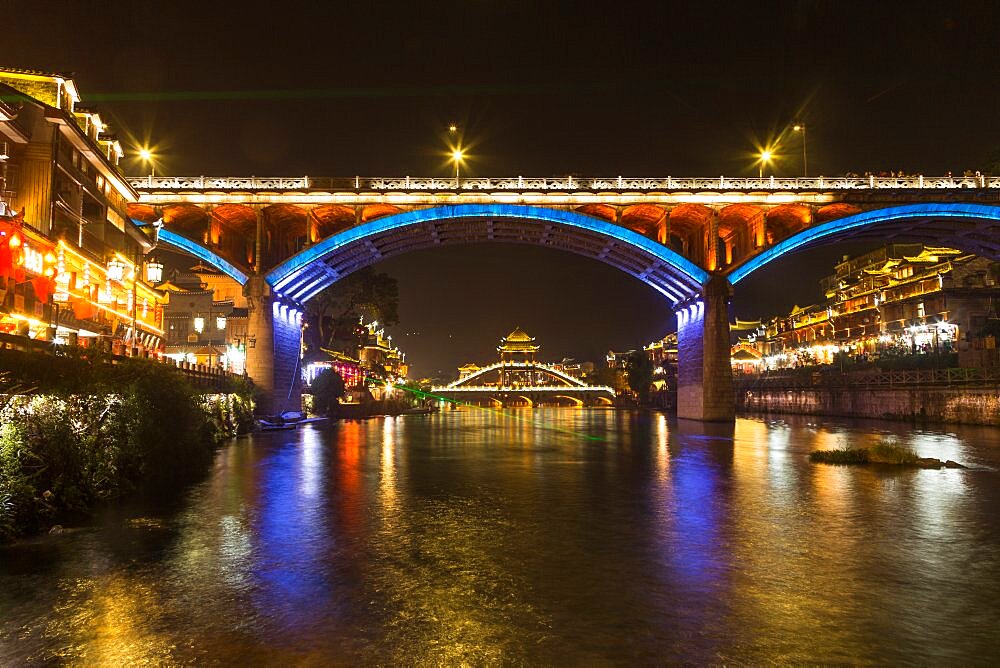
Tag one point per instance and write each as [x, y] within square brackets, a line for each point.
[538, 88]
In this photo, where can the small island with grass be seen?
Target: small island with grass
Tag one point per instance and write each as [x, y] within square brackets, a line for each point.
[881, 453]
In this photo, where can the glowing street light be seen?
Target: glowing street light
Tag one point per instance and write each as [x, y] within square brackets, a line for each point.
[457, 155]
[452, 128]
[765, 158]
[147, 157]
[800, 127]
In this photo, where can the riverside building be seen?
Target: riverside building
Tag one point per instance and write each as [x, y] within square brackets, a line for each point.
[898, 299]
[73, 265]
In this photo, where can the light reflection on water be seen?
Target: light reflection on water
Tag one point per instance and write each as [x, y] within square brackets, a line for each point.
[553, 536]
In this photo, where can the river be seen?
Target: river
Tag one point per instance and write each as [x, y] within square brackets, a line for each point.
[540, 536]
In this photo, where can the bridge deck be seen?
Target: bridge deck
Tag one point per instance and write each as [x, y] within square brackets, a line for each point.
[368, 184]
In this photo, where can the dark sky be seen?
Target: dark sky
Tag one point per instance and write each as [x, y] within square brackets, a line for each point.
[539, 88]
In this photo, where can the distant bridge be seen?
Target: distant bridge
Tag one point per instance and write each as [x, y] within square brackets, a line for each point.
[566, 387]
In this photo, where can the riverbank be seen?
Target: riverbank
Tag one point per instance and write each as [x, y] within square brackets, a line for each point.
[75, 434]
[947, 396]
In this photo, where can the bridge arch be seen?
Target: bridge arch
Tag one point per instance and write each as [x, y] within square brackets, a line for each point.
[970, 227]
[180, 242]
[567, 379]
[311, 270]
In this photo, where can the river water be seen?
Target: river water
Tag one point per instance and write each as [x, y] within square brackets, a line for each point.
[540, 536]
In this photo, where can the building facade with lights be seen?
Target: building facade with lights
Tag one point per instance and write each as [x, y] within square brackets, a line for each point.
[203, 321]
[898, 299]
[378, 366]
[380, 356]
[72, 264]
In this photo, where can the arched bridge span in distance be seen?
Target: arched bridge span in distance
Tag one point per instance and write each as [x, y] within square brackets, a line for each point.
[688, 238]
[561, 385]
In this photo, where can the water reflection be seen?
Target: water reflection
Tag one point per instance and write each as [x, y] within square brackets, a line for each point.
[538, 536]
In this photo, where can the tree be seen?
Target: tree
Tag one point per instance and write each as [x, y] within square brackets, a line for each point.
[991, 162]
[327, 387]
[335, 311]
[639, 369]
[605, 375]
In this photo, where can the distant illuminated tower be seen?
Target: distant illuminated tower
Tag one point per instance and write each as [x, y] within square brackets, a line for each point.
[516, 347]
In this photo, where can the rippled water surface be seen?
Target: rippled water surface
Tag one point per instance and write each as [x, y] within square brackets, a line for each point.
[537, 536]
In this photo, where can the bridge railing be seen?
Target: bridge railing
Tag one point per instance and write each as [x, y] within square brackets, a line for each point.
[529, 388]
[531, 366]
[555, 184]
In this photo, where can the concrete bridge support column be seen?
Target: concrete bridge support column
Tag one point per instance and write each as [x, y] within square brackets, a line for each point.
[704, 372]
[272, 362]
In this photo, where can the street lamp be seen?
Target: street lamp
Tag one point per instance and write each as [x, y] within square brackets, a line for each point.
[765, 157]
[457, 156]
[452, 128]
[801, 127]
[147, 157]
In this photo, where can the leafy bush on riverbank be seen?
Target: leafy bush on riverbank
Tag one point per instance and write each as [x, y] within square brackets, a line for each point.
[87, 433]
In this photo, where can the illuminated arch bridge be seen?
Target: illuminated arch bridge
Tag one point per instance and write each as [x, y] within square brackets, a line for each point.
[557, 385]
[691, 239]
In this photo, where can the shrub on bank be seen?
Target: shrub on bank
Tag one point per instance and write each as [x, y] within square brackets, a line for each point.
[846, 456]
[86, 433]
[884, 452]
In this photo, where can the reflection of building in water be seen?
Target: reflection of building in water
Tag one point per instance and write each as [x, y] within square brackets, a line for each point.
[898, 299]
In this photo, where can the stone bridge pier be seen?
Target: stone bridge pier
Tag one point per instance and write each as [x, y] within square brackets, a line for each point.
[274, 343]
[704, 372]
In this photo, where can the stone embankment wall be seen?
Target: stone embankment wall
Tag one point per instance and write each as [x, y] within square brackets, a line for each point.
[959, 405]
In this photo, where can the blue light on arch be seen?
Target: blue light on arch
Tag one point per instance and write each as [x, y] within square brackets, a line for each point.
[202, 253]
[865, 219]
[283, 276]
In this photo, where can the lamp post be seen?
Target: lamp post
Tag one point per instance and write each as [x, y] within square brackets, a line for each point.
[147, 157]
[457, 155]
[765, 157]
[801, 127]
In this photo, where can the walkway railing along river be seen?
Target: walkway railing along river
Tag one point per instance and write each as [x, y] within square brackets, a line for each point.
[870, 379]
[201, 376]
[560, 184]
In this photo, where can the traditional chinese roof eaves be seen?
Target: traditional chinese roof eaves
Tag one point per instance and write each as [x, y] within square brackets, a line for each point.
[36, 73]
